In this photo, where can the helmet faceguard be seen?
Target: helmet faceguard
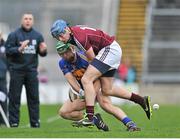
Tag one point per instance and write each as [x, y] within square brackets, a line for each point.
[62, 47]
[58, 27]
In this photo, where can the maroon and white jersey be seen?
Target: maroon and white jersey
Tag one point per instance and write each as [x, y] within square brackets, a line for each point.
[86, 37]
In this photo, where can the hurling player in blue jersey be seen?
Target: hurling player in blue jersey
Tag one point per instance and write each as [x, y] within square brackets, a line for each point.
[73, 65]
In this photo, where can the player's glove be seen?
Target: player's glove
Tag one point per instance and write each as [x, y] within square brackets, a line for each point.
[81, 94]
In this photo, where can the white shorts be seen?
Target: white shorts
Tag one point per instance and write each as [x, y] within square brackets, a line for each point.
[111, 55]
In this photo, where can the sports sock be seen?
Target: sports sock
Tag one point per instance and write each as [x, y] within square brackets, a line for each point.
[90, 112]
[126, 120]
[138, 99]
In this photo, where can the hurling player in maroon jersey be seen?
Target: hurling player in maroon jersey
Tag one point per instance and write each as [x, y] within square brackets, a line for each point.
[105, 56]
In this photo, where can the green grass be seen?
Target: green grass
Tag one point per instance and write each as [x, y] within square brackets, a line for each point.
[165, 123]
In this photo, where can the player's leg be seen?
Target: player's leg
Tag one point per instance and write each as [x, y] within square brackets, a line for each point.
[107, 58]
[87, 80]
[106, 88]
[106, 104]
[97, 119]
[144, 102]
[120, 92]
[72, 110]
[109, 90]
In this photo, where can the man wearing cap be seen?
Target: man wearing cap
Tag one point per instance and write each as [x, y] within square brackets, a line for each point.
[105, 56]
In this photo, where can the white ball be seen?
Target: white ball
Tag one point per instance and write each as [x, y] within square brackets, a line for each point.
[155, 106]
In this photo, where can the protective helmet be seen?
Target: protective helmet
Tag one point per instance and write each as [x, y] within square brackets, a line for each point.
[62, 47]
[58, 27]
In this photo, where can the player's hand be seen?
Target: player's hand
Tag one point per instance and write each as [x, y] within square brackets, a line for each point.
[81, 94]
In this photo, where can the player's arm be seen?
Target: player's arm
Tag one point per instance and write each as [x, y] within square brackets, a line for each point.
[72, 81]
[64, 66]
[90, 54]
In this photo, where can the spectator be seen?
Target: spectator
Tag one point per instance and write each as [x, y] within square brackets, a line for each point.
[126, 71]
[22, 49]
[3, 70]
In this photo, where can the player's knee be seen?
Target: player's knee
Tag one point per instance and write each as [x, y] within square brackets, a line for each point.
[106, 91]
[63, 113]
[85, 80]
[103, 104]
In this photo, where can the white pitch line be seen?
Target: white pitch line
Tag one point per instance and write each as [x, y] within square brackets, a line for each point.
[49, 120]
[52, 119]
[25, 126]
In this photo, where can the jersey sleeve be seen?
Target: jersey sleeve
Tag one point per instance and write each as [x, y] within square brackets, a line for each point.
[63, 66]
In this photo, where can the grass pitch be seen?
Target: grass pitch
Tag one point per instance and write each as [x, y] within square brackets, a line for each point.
[165, 123]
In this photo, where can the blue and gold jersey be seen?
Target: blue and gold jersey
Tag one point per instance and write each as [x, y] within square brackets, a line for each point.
[77, 69]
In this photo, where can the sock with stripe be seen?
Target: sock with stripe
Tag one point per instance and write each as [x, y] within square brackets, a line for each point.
[128, 122]
[90, 112]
